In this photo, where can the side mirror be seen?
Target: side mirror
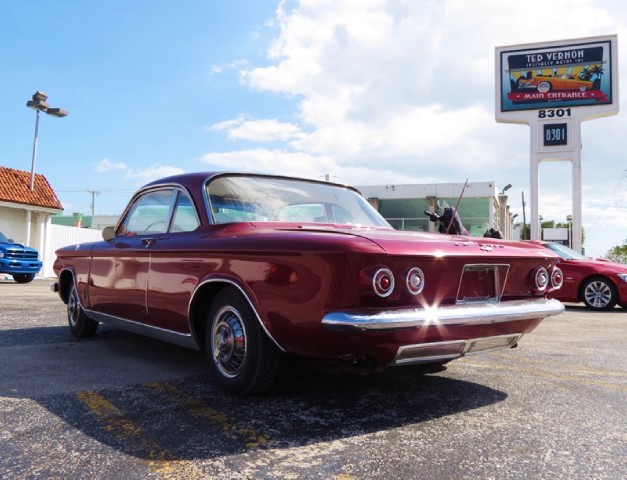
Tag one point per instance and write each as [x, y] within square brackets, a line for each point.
[108, 233]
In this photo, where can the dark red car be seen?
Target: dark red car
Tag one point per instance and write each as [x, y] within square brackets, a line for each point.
[598, 283]
[255, 268]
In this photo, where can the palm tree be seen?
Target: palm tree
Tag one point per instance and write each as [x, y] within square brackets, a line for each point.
[589, 72]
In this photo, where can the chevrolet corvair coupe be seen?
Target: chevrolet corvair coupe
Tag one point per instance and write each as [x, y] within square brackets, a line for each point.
[254, 269]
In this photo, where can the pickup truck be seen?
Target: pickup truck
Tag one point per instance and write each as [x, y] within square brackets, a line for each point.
[21, 262]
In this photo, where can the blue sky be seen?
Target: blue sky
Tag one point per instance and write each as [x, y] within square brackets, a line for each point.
[367, 91]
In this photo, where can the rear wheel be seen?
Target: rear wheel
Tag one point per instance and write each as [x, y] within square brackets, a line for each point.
[544, 87]
[23, 277]
[599, 293]
[81, 325]
[241, 357]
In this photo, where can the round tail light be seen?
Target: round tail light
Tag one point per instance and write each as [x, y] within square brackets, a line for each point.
[415, 281]
[557, 278]
[383, 282]
[541, 278]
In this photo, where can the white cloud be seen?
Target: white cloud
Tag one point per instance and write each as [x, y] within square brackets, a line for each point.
[139, 176]
[151, 173]
[106, 165]
[264, 130]
[271, 161]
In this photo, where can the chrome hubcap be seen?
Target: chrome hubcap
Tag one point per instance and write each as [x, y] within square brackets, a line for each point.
[228, 346]
[598, 294]
[73, 307]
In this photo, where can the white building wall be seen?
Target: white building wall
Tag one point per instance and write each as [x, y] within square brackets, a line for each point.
[60, 236]
[12, 223]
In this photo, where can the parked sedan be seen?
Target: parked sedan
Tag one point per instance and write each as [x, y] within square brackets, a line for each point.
[254, 269]
[598, 283]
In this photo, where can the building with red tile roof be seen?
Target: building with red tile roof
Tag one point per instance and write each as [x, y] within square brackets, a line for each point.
[25, 214]
[15, 188]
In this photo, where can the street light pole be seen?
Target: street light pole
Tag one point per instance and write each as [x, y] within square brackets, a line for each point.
[38, 103]
[34, 157]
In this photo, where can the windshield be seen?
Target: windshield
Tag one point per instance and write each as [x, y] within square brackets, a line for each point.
[3, 238]
[251, 198]
[565, 252]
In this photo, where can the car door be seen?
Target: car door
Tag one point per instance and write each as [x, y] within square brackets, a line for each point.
[175, 267]
[119, 271]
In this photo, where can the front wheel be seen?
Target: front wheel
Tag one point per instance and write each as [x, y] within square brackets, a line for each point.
[81, 325]
[23, 277]
[241, 357]
[599, 293]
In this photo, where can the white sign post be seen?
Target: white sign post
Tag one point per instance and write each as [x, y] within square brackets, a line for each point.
[553, 87]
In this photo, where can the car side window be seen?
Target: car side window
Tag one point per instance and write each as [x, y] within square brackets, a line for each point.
[185, 218]
[150, 213]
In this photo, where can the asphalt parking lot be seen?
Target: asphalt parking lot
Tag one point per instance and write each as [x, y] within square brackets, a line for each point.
[123, 406]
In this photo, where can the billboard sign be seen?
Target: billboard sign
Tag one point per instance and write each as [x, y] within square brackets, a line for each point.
[556, 75]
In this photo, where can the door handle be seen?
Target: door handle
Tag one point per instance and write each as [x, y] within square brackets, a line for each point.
[148, 242]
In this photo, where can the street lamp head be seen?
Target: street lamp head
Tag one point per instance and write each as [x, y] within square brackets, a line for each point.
[40, 96]
[57, 112]
[506, 188]
[37, 105]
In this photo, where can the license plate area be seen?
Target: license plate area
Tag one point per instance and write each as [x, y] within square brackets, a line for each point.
[482, 283]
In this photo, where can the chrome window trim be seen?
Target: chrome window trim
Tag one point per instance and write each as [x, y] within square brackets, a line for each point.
[177, 187]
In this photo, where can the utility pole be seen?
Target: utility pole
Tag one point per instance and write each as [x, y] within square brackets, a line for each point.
[94, 194]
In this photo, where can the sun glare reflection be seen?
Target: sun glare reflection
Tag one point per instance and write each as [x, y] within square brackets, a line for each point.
[431, 315]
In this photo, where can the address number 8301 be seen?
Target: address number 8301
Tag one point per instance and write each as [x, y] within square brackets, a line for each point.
[554, 113]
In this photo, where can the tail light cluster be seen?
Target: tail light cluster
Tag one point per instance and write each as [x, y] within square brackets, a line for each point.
[383, 281]
[543, 279]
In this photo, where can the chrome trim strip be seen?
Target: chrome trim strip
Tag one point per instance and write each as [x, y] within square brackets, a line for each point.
[457, 315]
[465, 348]
[182, 339]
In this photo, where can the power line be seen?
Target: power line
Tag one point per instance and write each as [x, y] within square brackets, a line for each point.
[615, 194]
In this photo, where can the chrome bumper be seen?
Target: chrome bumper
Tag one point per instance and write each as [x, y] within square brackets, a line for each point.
[455, 315]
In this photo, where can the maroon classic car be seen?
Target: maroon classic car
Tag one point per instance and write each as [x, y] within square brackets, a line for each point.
[598, 283]
[256, 268]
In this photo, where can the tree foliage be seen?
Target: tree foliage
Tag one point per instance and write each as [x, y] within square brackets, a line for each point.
[617, 254]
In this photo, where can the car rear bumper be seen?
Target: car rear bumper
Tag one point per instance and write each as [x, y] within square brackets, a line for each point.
[456, 315]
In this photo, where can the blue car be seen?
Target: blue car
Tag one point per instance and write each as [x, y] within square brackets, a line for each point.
[21, 262]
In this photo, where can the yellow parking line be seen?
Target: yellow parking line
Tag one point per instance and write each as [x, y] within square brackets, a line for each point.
[540, 373]
[252, 438]
[160, 460]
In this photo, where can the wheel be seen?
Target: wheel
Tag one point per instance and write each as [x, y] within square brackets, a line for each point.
[599, 293]
[23, 277]
[81, 325]
[544, 87]
[241, 357]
